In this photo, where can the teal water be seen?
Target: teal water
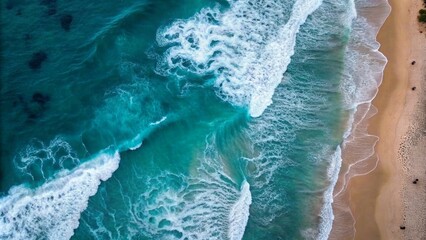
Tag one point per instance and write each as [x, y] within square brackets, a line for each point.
[194, 119]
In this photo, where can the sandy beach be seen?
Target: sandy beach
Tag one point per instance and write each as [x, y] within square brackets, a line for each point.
[389, 203]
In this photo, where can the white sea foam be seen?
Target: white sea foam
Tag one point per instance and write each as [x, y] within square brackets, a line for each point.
[159, 121]
[247, 48]
[239, 214]
[137, 143]
[326, 214]
[198, 206]
[362, 76]
[52, 211]
[180, 207]
[38, 157]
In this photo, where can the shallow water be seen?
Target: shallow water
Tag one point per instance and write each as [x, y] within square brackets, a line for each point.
[165, 120]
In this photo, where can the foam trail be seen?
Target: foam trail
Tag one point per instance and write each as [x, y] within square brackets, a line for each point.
[327, 216]
[37, 157]
[135, 147]
[247, 48]
[159, 121]
[208, 204]
[137, 141]
[239, 214]
[52, 211]
[263, 92]
[362, 76]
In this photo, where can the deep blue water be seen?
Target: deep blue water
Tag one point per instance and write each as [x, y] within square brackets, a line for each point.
[192, 119]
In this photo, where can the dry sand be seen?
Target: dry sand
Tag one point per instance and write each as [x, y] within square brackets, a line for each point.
[385, 200]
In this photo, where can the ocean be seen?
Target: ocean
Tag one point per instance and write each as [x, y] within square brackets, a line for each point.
[191, 119]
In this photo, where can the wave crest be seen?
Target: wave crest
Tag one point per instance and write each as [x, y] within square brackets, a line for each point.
[53, 210]
[247, 48]
[239, 214]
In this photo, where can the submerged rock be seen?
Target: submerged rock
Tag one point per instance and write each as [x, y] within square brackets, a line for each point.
[37, 59]
[66, 21]
[40, 98]
[9, 5]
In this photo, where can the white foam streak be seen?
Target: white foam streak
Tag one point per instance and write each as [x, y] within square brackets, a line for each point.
[52, 211]
[38, 156]
[207, 204]
[327, 216]
[247, 48]
[137, 141]
[159, 121]
[277, 57]
[362, 76]
[239, 214]
[137, 146]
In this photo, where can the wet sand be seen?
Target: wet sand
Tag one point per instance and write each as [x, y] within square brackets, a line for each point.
[387, 200]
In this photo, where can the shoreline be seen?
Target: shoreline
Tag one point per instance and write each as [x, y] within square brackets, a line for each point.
[386, 200]
[366, 203]
[366, 75]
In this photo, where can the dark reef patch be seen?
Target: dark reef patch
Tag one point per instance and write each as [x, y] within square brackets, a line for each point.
[9, 5]
[36, 107]
[37, 59]
[33, 107]
[40, 98]
[66, 21]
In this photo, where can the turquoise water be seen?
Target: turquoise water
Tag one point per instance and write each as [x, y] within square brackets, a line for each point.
[170, 119]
